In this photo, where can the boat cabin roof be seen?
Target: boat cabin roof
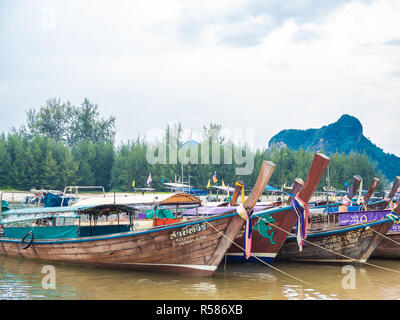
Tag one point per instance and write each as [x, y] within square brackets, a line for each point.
[27, 214]
[181, 198]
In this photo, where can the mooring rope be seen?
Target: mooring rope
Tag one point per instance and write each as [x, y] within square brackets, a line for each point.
[267, 264]
[383, 235]
[364, 208]
[334, 252]
[232, 241]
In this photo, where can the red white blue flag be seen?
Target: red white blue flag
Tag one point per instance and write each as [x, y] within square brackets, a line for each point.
[215, 180]
[300, 208]
[149, 180]
[247, 238]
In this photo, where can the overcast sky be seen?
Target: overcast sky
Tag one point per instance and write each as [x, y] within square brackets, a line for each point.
[265, 65]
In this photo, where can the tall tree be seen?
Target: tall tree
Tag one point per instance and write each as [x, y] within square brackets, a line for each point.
[5, 163]
[52, 120]
[63, 122]
[86, 125]
[51, 176]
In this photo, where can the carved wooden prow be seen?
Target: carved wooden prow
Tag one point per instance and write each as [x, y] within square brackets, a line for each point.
[317, 169]
[236, 193]
[371, 189]
[267, 168]
[297, 185]
[354, 187]
[396, 185]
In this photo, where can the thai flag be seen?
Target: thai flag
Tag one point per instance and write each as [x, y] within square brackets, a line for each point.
[215, 180]
[149, 180]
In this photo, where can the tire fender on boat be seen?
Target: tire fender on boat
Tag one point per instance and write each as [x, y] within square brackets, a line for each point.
[24, 245]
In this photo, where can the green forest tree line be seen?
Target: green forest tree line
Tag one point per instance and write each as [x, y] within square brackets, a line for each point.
[61, 144]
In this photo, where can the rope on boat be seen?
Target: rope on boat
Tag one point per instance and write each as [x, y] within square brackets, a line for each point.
[383, 235]
[267, 264]
[272, 267]
[334, 252]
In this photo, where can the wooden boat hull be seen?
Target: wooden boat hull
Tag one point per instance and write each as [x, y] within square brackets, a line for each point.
[387, 249]
[351, 242]
[378, 205]
[196, 247]
[267, 242]
[271, 228]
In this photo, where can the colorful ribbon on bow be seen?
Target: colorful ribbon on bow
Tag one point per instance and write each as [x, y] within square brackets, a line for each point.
[247, 238]
[247, 230]
[346, 201]
[300, 208]
[242, 186]
[360, 198]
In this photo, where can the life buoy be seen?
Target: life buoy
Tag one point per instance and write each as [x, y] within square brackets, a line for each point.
[26, 245]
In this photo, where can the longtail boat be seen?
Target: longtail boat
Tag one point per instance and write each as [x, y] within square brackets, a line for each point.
[297, 185]
[270, 227]
[339, 237]
[389, 246]
[347, 199]
[384, 203]
[372, 187]
[366, 203]
[194, 247]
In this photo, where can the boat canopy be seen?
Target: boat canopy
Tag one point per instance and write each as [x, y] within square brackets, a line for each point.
[29, 214]
[196, 192]
[181, 198]
[54, 200]
[210, 211]
[107, 209]
[272, 189]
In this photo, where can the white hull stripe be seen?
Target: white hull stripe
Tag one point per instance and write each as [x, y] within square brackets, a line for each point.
[191, 266]
[257, 254]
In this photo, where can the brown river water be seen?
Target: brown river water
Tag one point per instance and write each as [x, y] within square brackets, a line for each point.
[23, 279]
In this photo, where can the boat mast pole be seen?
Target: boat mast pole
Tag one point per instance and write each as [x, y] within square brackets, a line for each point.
[182, 171]
[328, 183]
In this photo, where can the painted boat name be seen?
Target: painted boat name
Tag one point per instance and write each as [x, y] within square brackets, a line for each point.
[188, 234]
[188, 230]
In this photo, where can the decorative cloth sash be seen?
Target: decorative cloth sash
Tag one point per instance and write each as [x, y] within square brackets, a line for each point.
[360, 199]
[247, 238]
[346, 201]
[300, 208]
[242, 212]
[247, 230]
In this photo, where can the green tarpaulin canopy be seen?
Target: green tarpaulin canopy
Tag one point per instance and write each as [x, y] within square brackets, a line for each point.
[160, 213]
[4, 205]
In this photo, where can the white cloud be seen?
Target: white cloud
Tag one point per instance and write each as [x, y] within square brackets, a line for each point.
[244, 64]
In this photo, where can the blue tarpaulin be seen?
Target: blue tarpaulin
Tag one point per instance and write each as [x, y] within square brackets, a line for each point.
[272, 189]
[195, 192]
[53, 200]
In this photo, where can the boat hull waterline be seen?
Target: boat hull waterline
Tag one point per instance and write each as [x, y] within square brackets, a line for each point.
[196, 247]
[345, 244]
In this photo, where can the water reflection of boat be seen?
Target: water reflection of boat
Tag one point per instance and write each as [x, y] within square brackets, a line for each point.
[195, 247]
